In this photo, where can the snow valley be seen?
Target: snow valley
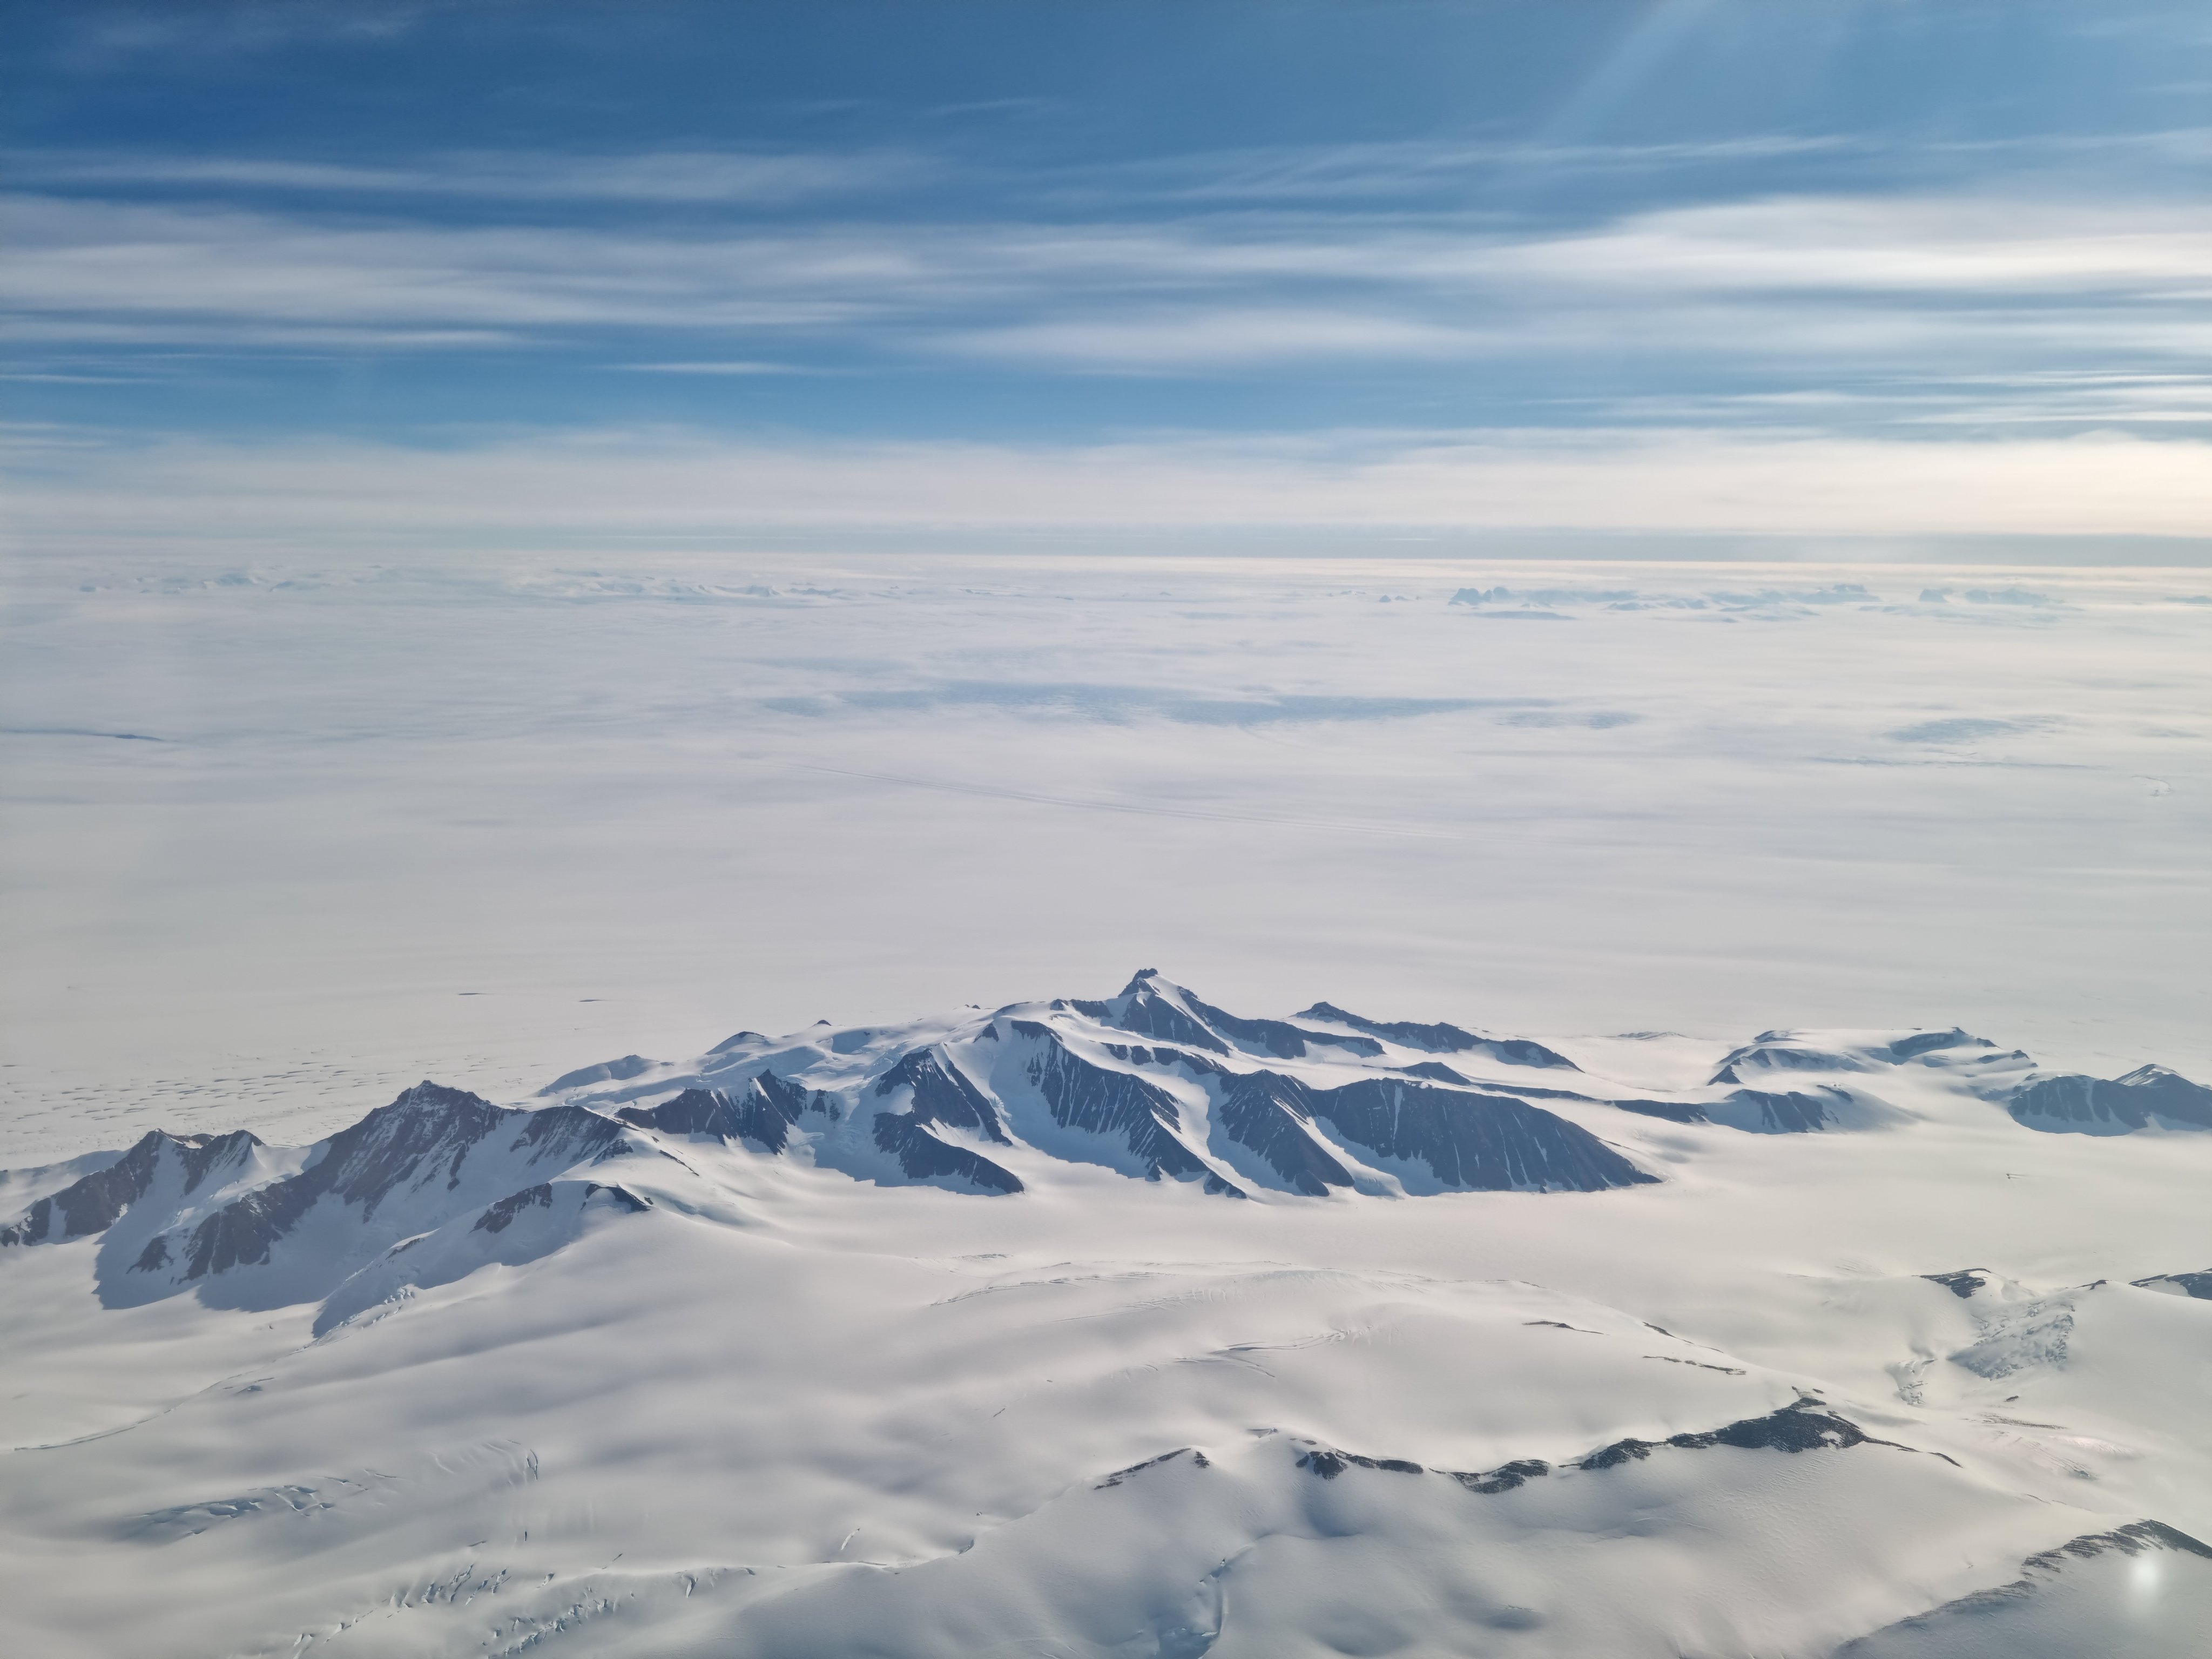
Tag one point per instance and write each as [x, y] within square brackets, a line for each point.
[1133, 1326]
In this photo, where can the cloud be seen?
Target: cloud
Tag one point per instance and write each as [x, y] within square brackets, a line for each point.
[1213, 337]
[1825, 291]
[654, 178]
[739, 366]
[610, 487]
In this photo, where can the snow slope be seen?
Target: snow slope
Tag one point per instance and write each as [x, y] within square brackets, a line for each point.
[1132, 1326]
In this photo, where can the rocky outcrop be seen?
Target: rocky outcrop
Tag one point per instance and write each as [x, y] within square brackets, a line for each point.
[418, 1144]
[1468, 1141]
[2147, 1095]
[761, 1112]
[1441, 1038]
[1136, 1113]
[940, 1095]
[96, 1202]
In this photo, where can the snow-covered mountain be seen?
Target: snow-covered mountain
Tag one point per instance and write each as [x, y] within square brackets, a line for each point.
[1133, 1327]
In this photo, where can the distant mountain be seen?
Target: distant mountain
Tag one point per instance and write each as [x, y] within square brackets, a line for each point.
[2150, 1096]
[1153, 1083]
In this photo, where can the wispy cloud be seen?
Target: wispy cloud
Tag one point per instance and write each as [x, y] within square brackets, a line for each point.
[739, 366]
[1864, 285]
[608, 487]
[660, 178]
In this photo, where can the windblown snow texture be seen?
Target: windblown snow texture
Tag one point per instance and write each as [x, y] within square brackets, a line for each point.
[687, 1356]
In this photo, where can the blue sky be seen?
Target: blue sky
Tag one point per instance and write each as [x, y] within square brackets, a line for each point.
[1293, 235]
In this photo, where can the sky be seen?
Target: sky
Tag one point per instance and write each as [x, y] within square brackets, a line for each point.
[537, 530]
[1907, 271]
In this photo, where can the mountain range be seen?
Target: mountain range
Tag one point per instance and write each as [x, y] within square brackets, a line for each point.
[1322, 1334]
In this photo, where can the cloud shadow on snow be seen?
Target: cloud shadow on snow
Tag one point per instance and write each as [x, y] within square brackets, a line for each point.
[1120, 704]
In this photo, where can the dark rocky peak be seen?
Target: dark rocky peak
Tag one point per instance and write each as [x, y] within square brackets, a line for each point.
[1785, 1112]
[1806, 1425]
[761, 1111]
[1121, 1106]
[430, 1130]
[2131, 1101]
[498, 1217]
[1275, 1037]
[741, 1040]
[1803, 1426]
[1198, 1460]
[1435, 1071]
[1473, 1142]
[611, 1071]
[923, 1157]
[1149, 1006]
[1155, 1007]
[1769, 1052]
[1468, 1141]
[1327, 1463]
[418, 1144]
[94, 1203]
[1928, 1042]
[942, 1094]
[1441, 1038]
[1504, 1477]
[1270, 1115]
[1962, 1282]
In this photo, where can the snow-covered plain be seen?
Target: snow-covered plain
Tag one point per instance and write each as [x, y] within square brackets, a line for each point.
[378, 820]
[628, 1377]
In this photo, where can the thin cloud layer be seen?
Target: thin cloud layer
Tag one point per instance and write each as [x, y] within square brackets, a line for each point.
[613, 486]
[1825, 291]
[1583, 259]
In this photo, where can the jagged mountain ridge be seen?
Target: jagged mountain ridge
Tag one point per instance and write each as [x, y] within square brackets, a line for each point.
[1155, 1084]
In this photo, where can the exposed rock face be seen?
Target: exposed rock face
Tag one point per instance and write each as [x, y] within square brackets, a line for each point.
[96, 1201]
[1963, 1283]
[762, 1112]
[1468, 1141]
[922, 1157]
[1441, 1038]
[1154, 1082]
[1150, 1007]
[1133, 1110]
[1801, 1427]
[1994, 1620]
[1147, 1012]
[1769, 1052]
[1270, 1115]
[418, 1142]
[498, 1217]
[1804, 1426]
[1928, 1042]
[1785, 1113]
[941, 1095]
[2111, 1105]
